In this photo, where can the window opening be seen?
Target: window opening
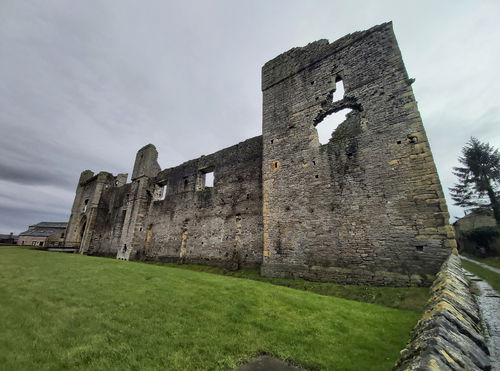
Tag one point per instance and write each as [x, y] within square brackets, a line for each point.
[339, 92]
[164, 192]
[328, 125]
[209, 179]
[85, 205]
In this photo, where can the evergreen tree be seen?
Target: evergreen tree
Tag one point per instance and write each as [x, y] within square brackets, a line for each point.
[479, 178]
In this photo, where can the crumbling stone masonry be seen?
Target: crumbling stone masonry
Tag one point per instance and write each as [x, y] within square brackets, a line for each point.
[366, 207]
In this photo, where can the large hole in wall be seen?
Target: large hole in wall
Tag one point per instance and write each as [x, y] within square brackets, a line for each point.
[328, 125]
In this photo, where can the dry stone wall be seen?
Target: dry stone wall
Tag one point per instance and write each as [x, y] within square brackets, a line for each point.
[449, 336]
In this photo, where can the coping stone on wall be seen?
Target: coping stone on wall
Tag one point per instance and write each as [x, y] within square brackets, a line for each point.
[449, 336]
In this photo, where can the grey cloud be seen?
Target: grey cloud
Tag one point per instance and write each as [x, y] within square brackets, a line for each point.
[31, 175]
[16, 220]
[84, 85]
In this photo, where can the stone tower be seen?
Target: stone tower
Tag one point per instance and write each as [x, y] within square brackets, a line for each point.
[84, 212]
[366, 207]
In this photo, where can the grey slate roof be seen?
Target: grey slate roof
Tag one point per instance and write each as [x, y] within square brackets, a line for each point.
[39, 232]
[50, 225]
[44, 229]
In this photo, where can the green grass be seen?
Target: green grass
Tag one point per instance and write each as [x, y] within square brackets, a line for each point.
[411, 298]
[65, 311]
[491, 277]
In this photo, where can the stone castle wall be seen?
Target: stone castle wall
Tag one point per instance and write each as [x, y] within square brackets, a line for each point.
[219, 225]
[367, 207]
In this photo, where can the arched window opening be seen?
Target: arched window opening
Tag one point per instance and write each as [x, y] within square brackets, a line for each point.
[82, 229]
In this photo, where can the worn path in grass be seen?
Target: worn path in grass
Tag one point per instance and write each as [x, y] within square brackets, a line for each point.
[70, 311]
[489, 305]
[484, 265]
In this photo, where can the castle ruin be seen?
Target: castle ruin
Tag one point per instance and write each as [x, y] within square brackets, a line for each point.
[366, 208]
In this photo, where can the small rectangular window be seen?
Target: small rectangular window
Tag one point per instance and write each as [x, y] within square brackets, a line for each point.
[164, 192]
[209, 179]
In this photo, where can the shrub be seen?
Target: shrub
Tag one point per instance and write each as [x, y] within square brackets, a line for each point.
[481, 241]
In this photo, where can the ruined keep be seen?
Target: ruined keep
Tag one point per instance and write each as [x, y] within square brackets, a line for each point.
[366, 207]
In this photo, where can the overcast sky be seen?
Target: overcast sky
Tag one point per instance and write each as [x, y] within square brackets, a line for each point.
[85, 83]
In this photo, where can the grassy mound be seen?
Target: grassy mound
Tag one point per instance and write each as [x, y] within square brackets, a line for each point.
[71, 311]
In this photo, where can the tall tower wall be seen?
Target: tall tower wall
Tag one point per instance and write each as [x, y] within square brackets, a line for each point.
[366, 207]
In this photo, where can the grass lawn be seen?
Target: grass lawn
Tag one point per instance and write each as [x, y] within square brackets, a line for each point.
[411, 298]
[70, 311]
[491, 277]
